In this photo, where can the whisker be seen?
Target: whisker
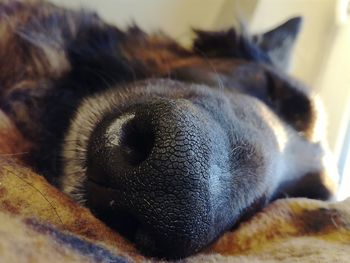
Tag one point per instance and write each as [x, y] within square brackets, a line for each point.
[38, 191]
[13, 154]
[102, 77]
[237, 148]
[211, 65]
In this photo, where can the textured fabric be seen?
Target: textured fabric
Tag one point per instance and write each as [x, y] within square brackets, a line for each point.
[40, 224]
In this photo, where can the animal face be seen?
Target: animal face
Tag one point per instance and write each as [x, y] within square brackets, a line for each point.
[169, 146]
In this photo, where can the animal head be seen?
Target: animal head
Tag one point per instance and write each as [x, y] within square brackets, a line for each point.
[169, 146]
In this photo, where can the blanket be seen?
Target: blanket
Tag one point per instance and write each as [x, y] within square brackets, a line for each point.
[38, 223]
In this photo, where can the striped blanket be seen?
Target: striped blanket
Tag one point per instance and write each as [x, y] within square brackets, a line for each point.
[40, 224]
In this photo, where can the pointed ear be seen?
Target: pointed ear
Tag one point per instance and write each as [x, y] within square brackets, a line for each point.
[278, 43]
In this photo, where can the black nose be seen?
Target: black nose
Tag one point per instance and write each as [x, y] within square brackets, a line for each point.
[150, 175]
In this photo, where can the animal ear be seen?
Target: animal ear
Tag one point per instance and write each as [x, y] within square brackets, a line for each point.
[279, 43]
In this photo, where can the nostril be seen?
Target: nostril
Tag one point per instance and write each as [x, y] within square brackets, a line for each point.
[136, 140]
[154, 161]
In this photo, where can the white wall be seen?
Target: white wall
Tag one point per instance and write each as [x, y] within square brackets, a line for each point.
[334, 83]
[314, 39]
[176, 17]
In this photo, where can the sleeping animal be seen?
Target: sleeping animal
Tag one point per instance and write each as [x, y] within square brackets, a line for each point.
[170, 146]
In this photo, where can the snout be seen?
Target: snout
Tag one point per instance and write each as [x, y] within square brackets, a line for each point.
[154, 173]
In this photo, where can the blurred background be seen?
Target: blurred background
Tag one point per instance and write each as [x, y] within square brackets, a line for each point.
[321, 59]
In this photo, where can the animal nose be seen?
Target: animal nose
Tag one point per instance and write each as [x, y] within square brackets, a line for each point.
[149, 175]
